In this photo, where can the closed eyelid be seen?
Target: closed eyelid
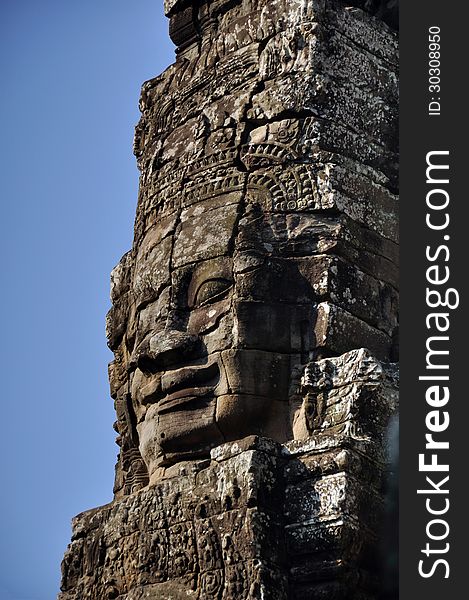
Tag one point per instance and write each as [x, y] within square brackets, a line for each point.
[221, 286]
[220, 268]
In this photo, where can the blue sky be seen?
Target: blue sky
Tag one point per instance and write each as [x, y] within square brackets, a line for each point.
[71, 74]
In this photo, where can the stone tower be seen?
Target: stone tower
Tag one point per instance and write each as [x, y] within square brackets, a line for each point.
[254, 319]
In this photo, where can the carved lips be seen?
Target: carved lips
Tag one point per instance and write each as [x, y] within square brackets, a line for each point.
[181, 386]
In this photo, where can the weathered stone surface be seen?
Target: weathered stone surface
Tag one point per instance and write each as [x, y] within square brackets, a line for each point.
[259, 519]
[249, 318]
[353, 392]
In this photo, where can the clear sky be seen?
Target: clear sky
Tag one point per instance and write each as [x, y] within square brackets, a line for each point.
[70, 79]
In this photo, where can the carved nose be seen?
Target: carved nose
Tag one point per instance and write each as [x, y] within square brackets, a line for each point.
[165, 349]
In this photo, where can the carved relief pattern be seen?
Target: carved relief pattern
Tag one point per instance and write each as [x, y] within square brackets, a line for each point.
[264, 256]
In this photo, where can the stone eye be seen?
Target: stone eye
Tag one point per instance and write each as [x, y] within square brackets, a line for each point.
[211, 291]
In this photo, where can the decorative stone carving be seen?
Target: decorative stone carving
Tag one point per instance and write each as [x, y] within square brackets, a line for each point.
[250, 417]
[259, 519]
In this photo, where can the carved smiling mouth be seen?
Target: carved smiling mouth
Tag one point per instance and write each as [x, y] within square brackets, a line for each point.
[187, 384]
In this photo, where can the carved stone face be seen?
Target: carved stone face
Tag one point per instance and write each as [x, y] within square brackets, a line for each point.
[215, 346]
[260, 241]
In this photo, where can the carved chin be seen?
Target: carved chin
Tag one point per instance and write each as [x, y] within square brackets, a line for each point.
[241, 415]
[191, 430]
[189, 427]
[148, 440]
[188, 430]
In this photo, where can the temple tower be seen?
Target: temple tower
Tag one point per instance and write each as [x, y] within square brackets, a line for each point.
[254, 320]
